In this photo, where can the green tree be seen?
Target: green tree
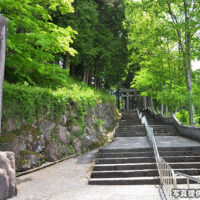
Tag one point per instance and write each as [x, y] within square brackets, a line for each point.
[163, 39]
[33, 39]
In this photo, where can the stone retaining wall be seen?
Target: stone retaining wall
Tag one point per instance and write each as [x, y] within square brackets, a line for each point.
[187, 131]
[46, 140]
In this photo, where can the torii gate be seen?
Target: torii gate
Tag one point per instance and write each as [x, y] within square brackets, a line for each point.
[3, 34]
[130, 98]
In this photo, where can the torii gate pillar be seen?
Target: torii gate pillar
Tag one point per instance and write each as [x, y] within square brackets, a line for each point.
[3, 35]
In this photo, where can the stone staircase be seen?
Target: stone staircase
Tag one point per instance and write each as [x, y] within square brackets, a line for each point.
[124, 167]
[119, 164]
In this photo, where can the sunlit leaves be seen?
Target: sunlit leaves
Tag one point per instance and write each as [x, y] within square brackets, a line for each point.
[33, 38]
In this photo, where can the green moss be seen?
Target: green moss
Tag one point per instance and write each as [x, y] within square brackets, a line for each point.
[8, 137]
[28, 152]
[96, 144]
[72, 138]
[99, 123]
[41, 162]
[70, 149]
[35, 132]
[22, 162]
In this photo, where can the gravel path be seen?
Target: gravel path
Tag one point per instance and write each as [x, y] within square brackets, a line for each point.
[68, 181]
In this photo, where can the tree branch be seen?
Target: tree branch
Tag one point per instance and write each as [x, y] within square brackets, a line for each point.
[175, 21]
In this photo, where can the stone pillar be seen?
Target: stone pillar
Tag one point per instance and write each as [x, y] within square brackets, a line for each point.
[127, 101]
[3, 31]
[138, 102]
[7, 175]
[145, 103]
[162, 109]
[118, 99]
[152, 106]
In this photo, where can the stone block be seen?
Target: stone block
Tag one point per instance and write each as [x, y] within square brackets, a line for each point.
[7, 175]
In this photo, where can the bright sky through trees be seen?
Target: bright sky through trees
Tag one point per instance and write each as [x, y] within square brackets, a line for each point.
[195, 65]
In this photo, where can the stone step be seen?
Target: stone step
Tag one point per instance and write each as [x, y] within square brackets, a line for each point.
[134, 181]
[179, 153]
[121, 134]
[164, 149]
[125, 181]
[139, 173]
[125, 173]
[144, 131]
[126, 124]
[124, 160]
[147, 159]
[130, 131]
[166, 134]
[135, 166]
[106, 150]
[147, 154]
[125, 154]
[132, 128]
[190, 148]
[191, 171]
[182, 158]
[183, 180]
[130, 135]
[163, 126]
[129, 166]
[165, 131]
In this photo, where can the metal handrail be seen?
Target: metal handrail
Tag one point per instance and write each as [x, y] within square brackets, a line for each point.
[168, 177]
[166, 173]
[188, 179]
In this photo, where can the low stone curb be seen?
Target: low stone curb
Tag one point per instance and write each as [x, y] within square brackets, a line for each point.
[45, 166]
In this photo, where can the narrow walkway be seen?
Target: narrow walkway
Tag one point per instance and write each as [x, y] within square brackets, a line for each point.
[69, 181]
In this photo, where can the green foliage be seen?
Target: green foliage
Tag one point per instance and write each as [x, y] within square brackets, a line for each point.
[183, 116]
[33, 39]
[41, 34]
[70, 150]
[27, 152]
[162, 39]
[7, 138]
[100, 34]
[99, 123]
[30, 103]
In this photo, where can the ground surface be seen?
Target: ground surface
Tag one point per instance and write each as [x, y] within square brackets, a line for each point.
[175, 141]
[69, 181]
[129, 143]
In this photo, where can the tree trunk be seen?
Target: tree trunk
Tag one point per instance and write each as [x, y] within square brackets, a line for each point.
[189, 87]
[72, 70]
[90, 78]
[84, 75]
[187, 64]
[66, 61]
[87, 75]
